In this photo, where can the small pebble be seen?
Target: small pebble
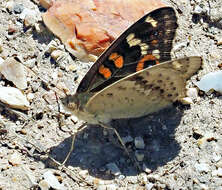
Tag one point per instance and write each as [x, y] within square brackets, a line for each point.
[53, 181]
[139, 156]
[101, 187]
[142, 178]
[74, 119]
[139, 143]
[121, 177]
[202, 167]
[127, 139]
[18, 8]
[198, 10]
[13, 98]
[219, 41]
[29, 21]
[38, 27]
[52, 46]
[15, 159]
[154, 177]
[132, 179]
[113, 169]
[111, 187]
[105, 132]
[207, 138]
[161, 186]
[203, 187]
[30, 96]
[14, 71]
[1, 60]
[84, 173]
[195, 181]
[219, 172]
[11, 29]
[219, 164]
[146, 169]
[149, 186]
[23, 132]
[72, 68]
[186, 101]
[192, 93]
[216, 157]
[211, 81]
[43, 184]
[56, 54]
[45, 3]
[9, 5]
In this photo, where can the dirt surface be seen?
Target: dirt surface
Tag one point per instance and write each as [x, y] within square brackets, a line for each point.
[183, 144]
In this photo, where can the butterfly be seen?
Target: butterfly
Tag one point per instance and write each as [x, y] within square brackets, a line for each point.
[135, 76]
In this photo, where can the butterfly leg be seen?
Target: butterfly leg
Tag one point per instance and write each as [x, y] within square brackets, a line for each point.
[72, 144]
[122, 143]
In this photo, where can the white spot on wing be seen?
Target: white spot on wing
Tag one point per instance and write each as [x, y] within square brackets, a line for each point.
[151, 21]
[130, 37]
[134, 42]
[156, 53]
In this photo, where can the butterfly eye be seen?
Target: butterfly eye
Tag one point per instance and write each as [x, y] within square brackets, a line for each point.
[70, 102]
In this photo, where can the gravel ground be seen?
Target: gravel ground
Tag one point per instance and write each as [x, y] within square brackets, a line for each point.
[180, 147]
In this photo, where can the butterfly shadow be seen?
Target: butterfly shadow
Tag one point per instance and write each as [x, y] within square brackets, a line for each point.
[95, 147]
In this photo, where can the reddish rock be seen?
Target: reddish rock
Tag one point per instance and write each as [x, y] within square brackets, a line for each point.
[88, 27]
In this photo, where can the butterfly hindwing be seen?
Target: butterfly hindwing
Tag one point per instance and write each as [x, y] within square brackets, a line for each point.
[156, 87]
[145, 43]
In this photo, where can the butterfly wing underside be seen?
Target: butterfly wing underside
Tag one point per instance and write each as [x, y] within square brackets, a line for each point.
[146, 91]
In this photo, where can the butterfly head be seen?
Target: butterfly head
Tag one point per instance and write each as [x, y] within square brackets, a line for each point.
[70, 102]
[76, 105]
[75, 102]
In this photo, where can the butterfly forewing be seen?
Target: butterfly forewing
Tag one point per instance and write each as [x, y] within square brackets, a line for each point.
[144, 44]
[144, 92]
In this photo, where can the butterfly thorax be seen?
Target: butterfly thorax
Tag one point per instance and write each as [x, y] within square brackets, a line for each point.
[76, 104]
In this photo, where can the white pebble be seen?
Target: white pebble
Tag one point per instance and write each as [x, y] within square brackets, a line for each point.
[44, 185]
[53, 181]
[113, 169]
[211, 81]
[146, 169]
[30, 96]
[111, 187]
[219, 172]
[56, 54]
[192, 93]
[14, 98]
[149, 186]
[202, 167]
[15, 159]
[15, 72]
[127, 139]
[139, 156]
[139, 143]
[186, 101]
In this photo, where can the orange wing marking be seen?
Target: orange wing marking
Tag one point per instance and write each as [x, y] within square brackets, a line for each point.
[105, 72]
[140, 65]
[117, 59]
